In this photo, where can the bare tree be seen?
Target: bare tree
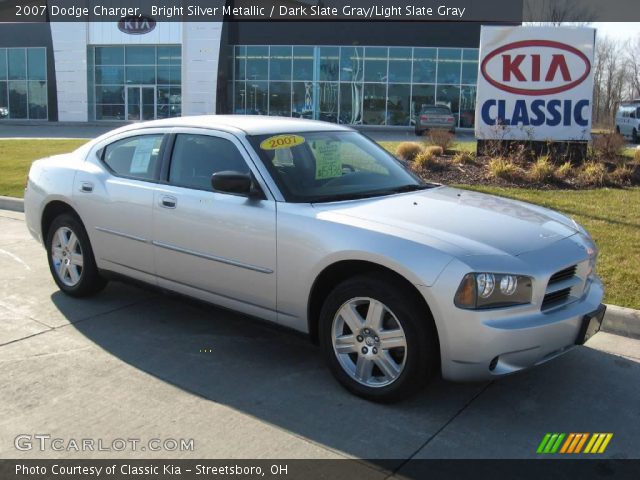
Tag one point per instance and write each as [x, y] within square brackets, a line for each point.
[558, 12]
[610, 80]
[633, 67]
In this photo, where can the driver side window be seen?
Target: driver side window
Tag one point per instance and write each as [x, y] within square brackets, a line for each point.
[196, 157]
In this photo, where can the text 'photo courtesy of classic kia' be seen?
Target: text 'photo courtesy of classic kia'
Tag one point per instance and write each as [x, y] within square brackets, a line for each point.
[317, 228]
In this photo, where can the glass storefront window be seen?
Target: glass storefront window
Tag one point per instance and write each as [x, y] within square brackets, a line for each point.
[351, 64]
[135, 82]
[38, 100]
[358, 84]
[374, 109]
[257, 98]
[36, 64]
[449, 65]
[399, 65]
[468, 106]
[24, 96]
[375, 64]
[449, 95]
[329, 64]
[280, 63]
[422, 95]
[280, 99]
[17, 63]
[257, 63]
[18, 99]
[350, 103]
[328, 101]
[424, 65]
[109, 55]
[398, 105]
[302, 99]
[140, 55]
[240, 63]
[303, 63]
[3, 63]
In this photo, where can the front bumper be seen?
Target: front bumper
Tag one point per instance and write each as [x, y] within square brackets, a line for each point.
[474, 346]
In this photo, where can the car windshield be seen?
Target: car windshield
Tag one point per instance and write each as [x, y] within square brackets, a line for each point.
[314, 167]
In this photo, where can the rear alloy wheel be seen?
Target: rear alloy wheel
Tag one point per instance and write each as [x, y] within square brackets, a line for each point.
[71, 258]
[378, 341]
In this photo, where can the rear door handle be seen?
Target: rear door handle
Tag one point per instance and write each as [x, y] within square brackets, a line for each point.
[167, 201]
[86, 187]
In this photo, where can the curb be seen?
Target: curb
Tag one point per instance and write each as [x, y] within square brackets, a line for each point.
[13, 204]
[622, 321]
[617, 320]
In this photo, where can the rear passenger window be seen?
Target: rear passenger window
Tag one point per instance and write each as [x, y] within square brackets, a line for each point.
[135, 157]
[196, 157]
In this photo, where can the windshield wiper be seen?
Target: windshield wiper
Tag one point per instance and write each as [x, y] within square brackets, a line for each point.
[370, 193]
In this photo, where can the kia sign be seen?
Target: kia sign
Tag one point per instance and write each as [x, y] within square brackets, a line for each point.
[535, 83]
[136, 25]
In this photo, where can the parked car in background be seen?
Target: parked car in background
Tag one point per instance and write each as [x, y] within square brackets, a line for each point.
[4, 112]
[435, 117]
[317, 228]
[628, 120]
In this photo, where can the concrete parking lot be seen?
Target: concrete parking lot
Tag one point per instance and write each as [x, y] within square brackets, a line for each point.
[135, 363]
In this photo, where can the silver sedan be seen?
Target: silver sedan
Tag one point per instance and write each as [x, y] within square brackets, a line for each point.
[313, 226]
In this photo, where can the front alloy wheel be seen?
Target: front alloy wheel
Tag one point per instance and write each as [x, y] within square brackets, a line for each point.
[378, 337]
[369, 342]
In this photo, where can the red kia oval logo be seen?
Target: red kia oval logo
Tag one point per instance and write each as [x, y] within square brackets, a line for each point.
[136, 25]
[536, 67]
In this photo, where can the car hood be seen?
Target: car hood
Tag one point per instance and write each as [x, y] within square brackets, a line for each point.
[471, 222]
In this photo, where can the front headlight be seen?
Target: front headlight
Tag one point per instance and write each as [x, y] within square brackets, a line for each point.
[493, 290]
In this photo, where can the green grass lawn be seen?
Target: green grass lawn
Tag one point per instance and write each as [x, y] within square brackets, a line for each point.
[16, 157]
[612, 216]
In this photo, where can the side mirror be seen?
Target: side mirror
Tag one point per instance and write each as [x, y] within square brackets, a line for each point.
[236, 183]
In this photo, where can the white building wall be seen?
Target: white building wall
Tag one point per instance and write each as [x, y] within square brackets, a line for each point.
[70, 57]
[200, 53]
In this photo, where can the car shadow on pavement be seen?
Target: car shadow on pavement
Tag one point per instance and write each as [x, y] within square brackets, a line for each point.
[279, 377]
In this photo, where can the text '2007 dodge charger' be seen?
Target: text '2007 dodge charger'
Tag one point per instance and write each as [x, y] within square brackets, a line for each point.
[315, 227]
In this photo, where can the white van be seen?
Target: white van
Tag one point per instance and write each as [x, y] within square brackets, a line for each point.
[628, 120]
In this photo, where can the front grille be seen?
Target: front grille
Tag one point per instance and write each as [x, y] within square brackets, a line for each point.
[563, 275]
[555, 298]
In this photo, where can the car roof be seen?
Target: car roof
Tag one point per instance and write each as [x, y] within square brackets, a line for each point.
[248, 124]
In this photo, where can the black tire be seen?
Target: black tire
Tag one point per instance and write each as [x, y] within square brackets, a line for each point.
[90, 281]
[422, 352]
[419, 133]
[618, 130]
[634, 136]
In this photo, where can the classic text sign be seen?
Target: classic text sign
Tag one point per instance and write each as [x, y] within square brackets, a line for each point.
[535, 83]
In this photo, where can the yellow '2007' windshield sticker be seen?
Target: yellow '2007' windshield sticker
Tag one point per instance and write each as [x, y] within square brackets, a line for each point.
[281, 141]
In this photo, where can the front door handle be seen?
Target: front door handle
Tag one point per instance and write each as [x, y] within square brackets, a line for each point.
[167, 201]
[86, 187]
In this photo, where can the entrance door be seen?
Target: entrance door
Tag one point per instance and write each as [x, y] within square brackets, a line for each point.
[141, 102]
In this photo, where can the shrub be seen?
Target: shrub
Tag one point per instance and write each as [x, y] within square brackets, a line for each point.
[593, 173]
[441, 138]
[435, 150]
[564, 171]
[608, 146]
[408, 150]
[463, 158]
[503, 168]
[426, 161]
[622, 175]
[542, 170]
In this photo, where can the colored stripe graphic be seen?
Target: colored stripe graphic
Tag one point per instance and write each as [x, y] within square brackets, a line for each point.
[573, 443]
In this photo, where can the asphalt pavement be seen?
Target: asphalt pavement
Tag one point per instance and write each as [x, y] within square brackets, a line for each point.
[136, 363]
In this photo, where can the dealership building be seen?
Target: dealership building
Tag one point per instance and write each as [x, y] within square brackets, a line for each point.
[359, 73]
